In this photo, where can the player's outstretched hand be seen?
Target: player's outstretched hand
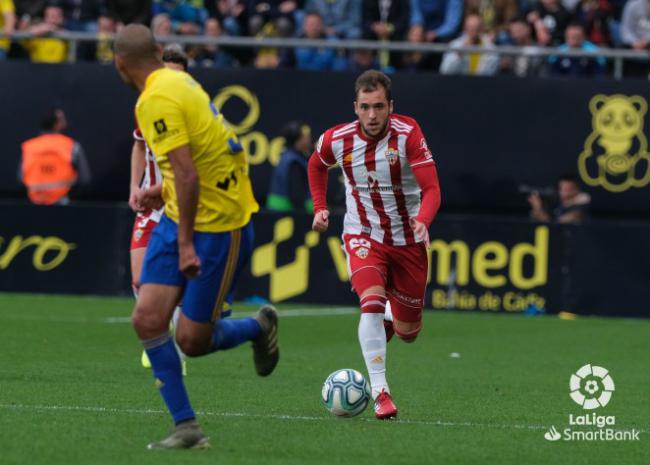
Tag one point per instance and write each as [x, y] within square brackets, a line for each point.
[420, 230]
[321, 221]
[189, 262]
[134, 199]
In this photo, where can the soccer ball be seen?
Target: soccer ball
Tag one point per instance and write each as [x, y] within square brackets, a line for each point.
[346, 393]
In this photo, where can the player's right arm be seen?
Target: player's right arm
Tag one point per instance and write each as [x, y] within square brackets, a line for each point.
[320, 162]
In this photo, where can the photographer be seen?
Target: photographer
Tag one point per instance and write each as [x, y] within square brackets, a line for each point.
[572, 206]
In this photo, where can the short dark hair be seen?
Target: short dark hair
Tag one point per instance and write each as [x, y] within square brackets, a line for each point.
[570, 177]
[49, 119]
[370, 81]
[173, 53]
[293, 131]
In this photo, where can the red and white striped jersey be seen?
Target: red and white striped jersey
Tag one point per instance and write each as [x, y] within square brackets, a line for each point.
[152, 176]
[381, 190]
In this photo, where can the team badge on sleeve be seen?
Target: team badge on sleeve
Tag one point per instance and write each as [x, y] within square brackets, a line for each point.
[425, 148]
[361, 252]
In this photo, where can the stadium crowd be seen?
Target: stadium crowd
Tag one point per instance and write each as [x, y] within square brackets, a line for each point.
[569, 24]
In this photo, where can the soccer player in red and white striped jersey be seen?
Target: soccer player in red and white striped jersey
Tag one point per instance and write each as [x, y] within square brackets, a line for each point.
[392, 196]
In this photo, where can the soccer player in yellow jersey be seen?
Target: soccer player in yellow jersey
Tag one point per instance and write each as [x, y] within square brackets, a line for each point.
[204, 237]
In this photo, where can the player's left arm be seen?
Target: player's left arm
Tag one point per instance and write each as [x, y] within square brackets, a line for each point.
[186, 181]
[162, 121]
[424, 169]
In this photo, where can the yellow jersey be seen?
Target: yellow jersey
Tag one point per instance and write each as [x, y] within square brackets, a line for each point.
[6, 6]
[173, 110]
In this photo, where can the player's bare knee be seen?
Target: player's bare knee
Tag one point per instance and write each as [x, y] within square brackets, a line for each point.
[407, 331]
[148, 323]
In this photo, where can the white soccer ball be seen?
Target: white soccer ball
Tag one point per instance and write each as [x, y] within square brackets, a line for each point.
[346, 393]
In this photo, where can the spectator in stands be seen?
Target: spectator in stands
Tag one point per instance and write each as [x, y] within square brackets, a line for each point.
[595, 16]
[441, 19]
[549, 20]
[418, 61]
[308, 57]
[635, 25]
[485, 64]
[289, 188]
[161, 25]
[187, 16]
[212, 55]
[386, 20]
[52, 163]
[7, 25]
[102, 50]
[342, 18]
[130, 11]
[82, 15]
[496, 15]
[48, 49]
[520, 34]
[279, 15]
[577, 66]
[572, 205]
[231, 14]
[362, 60]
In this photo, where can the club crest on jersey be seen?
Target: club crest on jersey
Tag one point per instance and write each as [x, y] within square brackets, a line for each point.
[138, 234]
[392, 155]
[362, 253]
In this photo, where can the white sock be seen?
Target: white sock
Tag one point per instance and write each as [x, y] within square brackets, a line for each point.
[372, 338]
[388, 314]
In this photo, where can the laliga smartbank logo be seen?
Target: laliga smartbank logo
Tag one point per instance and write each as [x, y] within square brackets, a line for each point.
[591, 387]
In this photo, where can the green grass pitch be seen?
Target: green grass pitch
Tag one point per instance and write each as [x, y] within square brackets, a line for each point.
[72, 390]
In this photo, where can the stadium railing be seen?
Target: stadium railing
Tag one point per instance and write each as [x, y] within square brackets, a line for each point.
[618, 56]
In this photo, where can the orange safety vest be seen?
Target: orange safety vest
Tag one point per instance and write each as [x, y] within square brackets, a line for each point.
[47, 168]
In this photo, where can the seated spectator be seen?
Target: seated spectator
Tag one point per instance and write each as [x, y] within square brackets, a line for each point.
[161, 25]
[212, 55]
[441, 19]
[308, 57]
[520, 34]
[549, 20]
[187, 16]
[635, 25]
[386, 21]
[102, 50]
[577, 66]
[82, 15]
[485, 64]
[572, 204]
[231, 14]
[278, 13]
[342, 18]
[361, 60]
[130, 11]
[418, 61]
[48, 49]
[496, 15]
[269, 57]
[595, 16]
[7, 25]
